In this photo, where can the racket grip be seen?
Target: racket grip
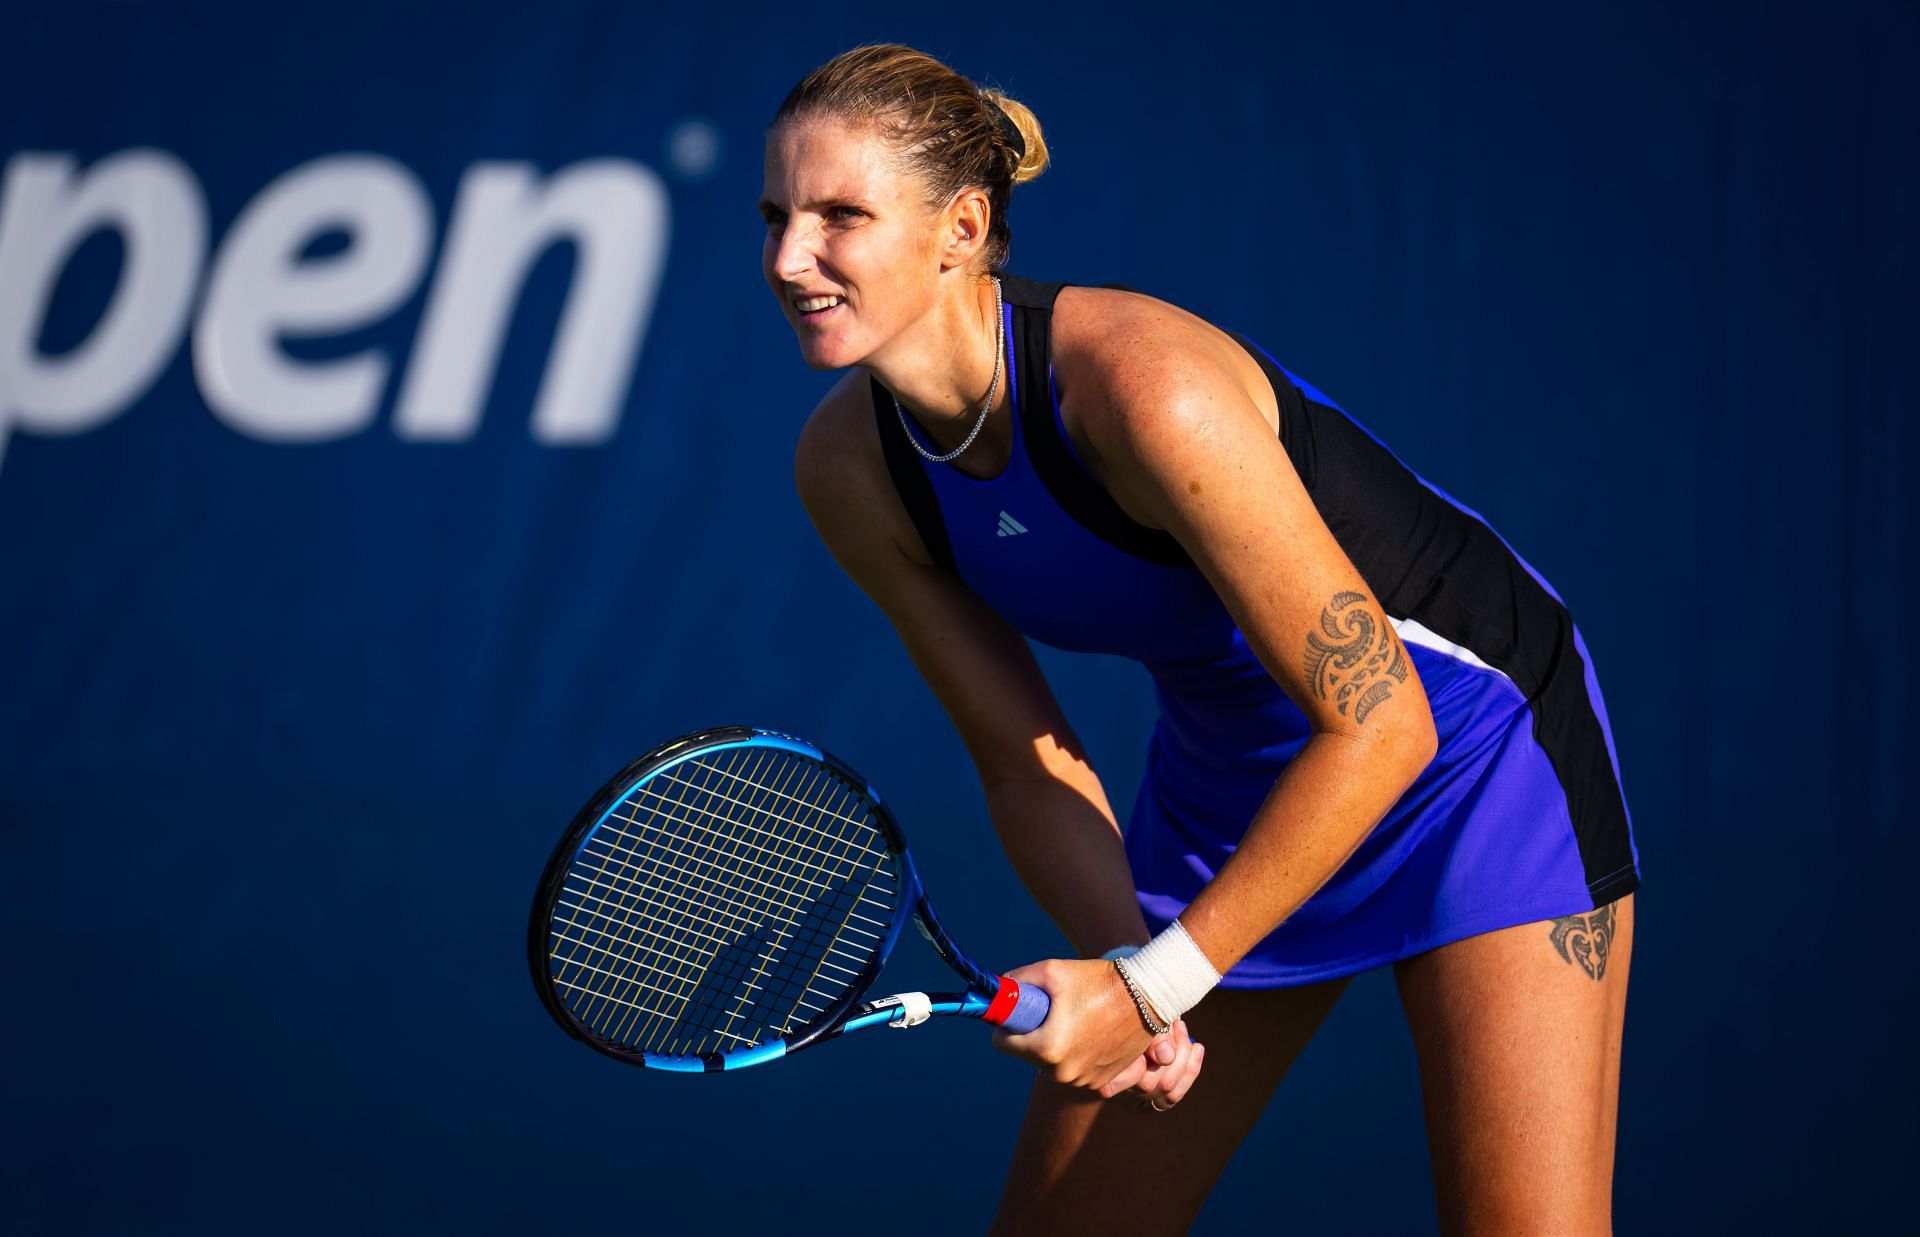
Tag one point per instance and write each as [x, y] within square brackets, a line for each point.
[1029, 1010]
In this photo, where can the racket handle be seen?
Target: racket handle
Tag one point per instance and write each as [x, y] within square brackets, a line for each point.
[1029, 1010]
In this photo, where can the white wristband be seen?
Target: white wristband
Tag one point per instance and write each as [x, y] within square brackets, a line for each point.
[1172, 973]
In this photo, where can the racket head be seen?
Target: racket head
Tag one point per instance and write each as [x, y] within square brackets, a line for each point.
[723, 900]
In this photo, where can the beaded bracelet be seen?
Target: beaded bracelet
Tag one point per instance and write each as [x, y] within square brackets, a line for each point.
[1140, 1002]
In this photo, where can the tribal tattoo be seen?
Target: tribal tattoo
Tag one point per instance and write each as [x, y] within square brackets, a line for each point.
[1360, 660]
[1586, 939]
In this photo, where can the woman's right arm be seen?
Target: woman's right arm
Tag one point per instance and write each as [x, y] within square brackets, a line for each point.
[1044, 800]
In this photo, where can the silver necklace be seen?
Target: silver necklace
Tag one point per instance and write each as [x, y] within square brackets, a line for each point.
[999, 361]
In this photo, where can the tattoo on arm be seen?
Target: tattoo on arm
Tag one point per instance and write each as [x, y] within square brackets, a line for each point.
[1586, 939]
[1359, 661]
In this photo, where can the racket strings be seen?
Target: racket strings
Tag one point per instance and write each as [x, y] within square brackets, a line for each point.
[676, 920]
[808, 951]
[724, 902]
[679, 916]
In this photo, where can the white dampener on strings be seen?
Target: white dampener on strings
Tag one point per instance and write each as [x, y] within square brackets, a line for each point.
[1170, 971]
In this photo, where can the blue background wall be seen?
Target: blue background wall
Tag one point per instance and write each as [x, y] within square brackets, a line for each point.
[286, 730]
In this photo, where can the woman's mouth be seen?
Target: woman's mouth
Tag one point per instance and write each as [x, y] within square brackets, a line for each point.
[814, 308]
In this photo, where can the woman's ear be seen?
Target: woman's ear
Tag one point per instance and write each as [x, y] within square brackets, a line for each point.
[967, 220]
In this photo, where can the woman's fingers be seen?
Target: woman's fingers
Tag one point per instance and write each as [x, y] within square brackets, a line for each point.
[1163, 1056]
[1126, 1079]
[1179, 1092]
[1167, 1085]
[1092, 1034]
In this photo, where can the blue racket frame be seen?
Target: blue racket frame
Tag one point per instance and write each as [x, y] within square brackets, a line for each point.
[989, 997]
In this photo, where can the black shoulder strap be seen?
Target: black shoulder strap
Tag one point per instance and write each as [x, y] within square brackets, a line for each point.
[1026, 293]
[1296, 428]
[1078, 494]
[910, 479]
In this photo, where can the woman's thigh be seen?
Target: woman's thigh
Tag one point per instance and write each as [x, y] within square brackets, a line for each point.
[1084, 1164]
[1518, 1035]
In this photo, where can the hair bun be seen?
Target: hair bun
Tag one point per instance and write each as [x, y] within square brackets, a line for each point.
[1020, 133]
[1008, 130]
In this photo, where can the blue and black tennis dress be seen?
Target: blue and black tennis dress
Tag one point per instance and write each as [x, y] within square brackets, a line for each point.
[1520, 816]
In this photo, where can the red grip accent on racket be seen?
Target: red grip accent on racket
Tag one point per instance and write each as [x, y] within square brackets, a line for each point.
[1001, 1007]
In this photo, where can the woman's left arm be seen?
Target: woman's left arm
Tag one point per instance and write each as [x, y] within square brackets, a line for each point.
[1179, 444]
[1184, 449]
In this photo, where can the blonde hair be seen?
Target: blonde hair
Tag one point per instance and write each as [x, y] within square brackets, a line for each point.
[947, 132]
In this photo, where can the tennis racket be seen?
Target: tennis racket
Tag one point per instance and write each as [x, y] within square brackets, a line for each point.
[727, 899]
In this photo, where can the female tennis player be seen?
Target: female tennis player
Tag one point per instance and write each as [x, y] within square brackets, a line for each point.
[1380, 738]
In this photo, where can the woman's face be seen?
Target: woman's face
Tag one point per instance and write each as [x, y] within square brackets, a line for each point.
[848, 231]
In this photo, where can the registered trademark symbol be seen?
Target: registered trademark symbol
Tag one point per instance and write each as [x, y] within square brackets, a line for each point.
[693, 149]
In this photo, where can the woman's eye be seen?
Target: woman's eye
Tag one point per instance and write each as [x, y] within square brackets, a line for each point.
[845, 212]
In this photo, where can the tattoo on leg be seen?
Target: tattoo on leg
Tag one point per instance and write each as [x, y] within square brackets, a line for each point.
[1586, 939]
[1359, 661]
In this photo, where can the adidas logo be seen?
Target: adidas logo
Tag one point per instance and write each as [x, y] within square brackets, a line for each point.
[1010, 527]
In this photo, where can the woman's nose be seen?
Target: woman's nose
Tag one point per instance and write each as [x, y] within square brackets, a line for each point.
[794, 253]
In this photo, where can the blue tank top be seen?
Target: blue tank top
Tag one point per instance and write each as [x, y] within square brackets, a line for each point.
[1045, 546]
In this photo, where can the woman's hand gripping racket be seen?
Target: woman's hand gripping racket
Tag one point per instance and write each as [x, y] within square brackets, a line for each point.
[727, 899]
